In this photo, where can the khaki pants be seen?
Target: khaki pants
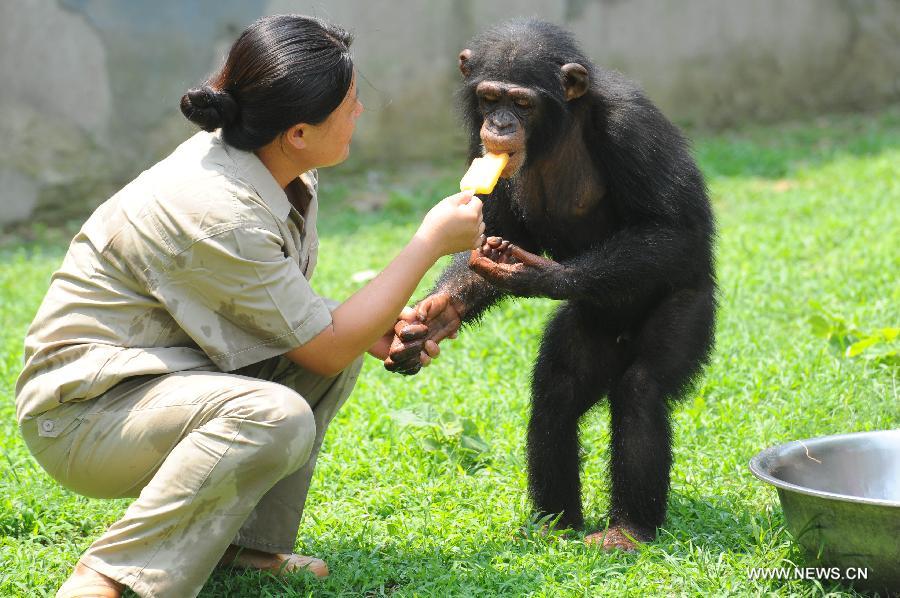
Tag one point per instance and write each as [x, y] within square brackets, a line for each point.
[213, 458]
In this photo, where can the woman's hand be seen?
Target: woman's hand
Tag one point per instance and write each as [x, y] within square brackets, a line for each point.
[453, 225]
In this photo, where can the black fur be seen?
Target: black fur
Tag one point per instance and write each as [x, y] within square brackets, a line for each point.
[608, 190]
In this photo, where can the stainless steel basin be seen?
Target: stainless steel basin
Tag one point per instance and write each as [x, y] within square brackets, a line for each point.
[841, 501]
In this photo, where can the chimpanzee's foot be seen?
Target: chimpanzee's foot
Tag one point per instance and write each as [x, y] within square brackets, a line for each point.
[619, 537]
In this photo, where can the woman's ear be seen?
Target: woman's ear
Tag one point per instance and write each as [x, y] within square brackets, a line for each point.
[296, 136]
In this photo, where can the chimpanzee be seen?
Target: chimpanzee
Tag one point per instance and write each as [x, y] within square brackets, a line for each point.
[603, 184]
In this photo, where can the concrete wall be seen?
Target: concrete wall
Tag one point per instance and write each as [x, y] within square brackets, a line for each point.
[90, 88]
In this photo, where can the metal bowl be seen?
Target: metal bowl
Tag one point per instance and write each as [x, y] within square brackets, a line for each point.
[841, 500]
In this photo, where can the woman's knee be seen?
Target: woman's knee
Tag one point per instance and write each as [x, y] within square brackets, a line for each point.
[278, 422]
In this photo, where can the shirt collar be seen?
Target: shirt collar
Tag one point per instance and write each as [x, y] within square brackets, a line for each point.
[251, 169]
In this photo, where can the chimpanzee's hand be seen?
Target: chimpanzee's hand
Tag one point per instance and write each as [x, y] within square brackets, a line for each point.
[439, 318]
[513, 269]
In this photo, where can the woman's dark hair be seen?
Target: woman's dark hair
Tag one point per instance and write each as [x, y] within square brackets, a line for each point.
[282, 70]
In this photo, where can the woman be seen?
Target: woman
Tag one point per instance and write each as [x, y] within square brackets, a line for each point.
[180, 355]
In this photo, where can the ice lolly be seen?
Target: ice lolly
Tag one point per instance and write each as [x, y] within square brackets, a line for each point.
[483, 173]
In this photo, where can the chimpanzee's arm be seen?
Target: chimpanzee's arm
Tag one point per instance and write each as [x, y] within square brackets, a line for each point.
[632, 265]
[470, 294]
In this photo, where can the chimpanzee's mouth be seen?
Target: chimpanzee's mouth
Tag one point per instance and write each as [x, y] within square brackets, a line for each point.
[513, 165]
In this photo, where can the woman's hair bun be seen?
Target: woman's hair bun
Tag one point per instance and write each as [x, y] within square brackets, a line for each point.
[209, 108]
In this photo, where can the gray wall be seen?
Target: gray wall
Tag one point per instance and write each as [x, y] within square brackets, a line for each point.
[90, 88]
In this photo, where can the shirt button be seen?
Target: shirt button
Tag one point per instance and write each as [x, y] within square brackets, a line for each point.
[48, 425]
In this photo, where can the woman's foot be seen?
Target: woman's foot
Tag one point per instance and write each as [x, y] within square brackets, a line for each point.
[279, 563]
[87, 583]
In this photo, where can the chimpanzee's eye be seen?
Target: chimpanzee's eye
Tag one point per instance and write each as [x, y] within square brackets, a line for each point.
[489, 98]
[523, 103]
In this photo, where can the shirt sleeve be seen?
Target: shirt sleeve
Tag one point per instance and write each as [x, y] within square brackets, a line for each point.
[240, 298]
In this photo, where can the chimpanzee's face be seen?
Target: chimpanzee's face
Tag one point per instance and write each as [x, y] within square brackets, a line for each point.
[506, 110]
[510, 111]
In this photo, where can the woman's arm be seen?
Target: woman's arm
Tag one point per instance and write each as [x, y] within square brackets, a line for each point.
[452, 225]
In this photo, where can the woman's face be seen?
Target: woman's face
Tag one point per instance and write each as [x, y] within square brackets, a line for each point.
[329, 141]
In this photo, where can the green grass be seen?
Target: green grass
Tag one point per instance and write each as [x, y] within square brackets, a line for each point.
[806, 211]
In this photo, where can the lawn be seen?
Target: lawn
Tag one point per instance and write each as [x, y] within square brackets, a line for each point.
[421, 490]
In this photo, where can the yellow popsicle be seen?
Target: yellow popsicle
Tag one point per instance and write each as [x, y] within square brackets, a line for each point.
[483, 173]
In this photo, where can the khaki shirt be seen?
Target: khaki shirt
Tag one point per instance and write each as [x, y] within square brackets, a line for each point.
[200, 263]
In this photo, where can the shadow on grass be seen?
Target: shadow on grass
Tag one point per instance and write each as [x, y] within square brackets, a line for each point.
[711, 524]
[361, 569]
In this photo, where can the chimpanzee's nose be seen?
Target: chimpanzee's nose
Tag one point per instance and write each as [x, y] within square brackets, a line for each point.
[503, 124]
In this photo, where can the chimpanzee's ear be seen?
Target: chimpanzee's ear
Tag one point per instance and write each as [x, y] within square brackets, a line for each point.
[463, 57]
[574, 80]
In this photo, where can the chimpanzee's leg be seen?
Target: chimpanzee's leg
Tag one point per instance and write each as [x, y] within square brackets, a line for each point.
[573, 371]
[669, 350]
[640, 456]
